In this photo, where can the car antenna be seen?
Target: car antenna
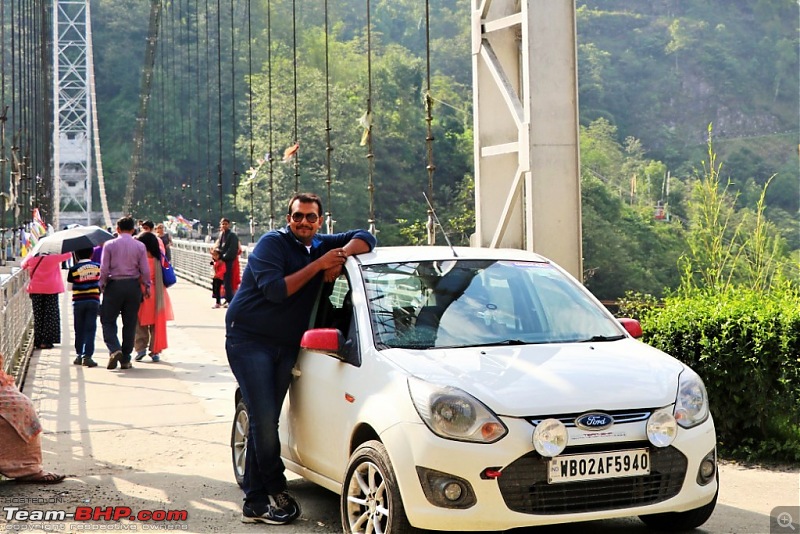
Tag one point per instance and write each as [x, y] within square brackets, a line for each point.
[436, 218]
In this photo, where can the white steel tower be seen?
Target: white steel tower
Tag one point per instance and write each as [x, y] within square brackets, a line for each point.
[72, 156]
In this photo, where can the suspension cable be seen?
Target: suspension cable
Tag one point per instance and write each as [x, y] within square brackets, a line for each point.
[328, 148]
[294, 62]
[370, 155]
[101, 183]
[234, 171]
[431, 227]
[270, 155]
[219, 104]
[250, 116]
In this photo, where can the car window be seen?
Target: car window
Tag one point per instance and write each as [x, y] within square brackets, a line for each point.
[459, 303]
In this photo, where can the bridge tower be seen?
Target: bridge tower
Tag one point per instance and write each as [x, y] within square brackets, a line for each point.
[527, 179]
[72, 155]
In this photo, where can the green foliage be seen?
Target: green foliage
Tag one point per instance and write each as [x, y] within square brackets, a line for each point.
[726, 247]
[745, 345]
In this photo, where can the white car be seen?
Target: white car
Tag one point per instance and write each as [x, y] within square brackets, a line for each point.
[469, 389]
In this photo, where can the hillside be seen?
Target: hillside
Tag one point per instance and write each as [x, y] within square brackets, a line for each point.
[662, 71]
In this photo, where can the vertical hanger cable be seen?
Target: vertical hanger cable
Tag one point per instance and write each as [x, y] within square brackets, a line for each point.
[294, 63]
[430, 226]
[270, 156]
[328, 148]
[370, 155]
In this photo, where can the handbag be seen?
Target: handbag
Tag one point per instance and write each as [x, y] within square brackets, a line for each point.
[168, 273]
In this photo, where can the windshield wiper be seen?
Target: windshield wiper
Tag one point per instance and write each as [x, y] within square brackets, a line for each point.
[603, 338]
[504, 342]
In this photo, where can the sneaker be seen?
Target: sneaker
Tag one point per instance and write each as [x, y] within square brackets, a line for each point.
[126, 365]
[215, 306]
[155, 357]
[114, 359]
[78, 360]
[225, 305]
[89, 362]
[264, 513]
[140, 355]
[286, 502]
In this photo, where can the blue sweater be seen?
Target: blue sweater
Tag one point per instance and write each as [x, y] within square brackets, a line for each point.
[261, 310]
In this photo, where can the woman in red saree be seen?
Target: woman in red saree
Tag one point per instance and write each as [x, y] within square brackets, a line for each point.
[20, 444]
[156, 308]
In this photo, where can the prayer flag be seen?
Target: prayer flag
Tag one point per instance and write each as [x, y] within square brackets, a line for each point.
[290, 152]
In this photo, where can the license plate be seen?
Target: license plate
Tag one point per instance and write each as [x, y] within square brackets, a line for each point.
[598, 465]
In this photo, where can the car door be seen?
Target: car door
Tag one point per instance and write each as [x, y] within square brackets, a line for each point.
[320, 397]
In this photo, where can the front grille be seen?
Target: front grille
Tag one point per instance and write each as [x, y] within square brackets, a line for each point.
[620, 417]
[524, 486]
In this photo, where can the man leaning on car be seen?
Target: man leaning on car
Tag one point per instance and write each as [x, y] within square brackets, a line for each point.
[264, 324]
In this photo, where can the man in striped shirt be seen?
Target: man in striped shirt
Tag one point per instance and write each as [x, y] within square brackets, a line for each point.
[85, 279]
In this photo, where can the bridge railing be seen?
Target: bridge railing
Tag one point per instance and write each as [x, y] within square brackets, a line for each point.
[16, 318]
[192, 261]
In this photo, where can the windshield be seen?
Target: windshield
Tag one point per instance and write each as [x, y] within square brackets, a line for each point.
[460, 303]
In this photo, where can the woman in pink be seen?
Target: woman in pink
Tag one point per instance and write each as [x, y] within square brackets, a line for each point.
[156, 308]
[44, 287]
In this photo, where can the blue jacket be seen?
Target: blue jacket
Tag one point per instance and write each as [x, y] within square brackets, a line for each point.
[261, 310]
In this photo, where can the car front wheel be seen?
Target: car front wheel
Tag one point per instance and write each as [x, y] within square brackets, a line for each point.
[239, 432]
[370, 500]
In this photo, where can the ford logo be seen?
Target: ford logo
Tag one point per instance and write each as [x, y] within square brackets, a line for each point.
[594, 421]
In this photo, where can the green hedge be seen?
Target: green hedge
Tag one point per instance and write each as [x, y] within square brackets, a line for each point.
[746, 347]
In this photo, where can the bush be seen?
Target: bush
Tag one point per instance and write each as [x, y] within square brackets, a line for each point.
[746, 347]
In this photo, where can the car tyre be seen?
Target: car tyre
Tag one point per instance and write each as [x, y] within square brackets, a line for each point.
[681, 521]
[239, 433]
[370, 500]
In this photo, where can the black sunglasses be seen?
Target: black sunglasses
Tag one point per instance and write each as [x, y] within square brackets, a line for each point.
[310, 217]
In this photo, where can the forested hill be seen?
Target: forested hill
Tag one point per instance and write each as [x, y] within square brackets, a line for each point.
[264, 74]
[663, 70]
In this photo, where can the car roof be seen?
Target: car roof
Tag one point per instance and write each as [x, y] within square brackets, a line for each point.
[427, 253]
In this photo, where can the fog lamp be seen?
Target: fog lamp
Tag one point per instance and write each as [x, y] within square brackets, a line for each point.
[550, 437]
[661, 428]
[452, 491]
[708, 468]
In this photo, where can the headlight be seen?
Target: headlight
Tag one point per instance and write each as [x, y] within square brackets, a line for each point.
[453, 414]
[691, 405]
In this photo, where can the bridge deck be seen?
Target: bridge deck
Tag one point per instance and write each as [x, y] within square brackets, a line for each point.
[155, 437]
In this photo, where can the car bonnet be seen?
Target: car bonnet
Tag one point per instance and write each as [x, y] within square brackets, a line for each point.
[529, 380]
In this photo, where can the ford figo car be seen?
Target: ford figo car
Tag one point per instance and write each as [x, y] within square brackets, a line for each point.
[469, 389]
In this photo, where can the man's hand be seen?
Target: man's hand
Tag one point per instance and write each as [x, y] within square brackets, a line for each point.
[333, 258]
[332, 273]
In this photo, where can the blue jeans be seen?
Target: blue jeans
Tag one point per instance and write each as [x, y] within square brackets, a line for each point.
[85, 318]
[264, 373]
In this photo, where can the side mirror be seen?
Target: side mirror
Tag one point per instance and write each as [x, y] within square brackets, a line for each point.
[329, 341]
[632, 326]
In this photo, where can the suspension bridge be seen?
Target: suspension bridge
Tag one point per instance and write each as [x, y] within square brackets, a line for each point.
[198, 64]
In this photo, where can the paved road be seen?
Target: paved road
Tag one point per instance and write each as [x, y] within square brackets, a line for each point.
[155, 438]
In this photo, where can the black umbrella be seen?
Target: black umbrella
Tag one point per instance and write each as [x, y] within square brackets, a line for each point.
[71, 240]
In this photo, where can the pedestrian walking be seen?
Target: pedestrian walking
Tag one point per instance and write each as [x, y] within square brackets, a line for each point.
[156, 307]
[218, 272]
[124, 279]
[85, 279]
[166, 239]
[45, 284]
[264, 324]
[228, 246]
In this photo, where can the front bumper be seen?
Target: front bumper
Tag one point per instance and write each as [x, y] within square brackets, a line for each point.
[521, 495]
